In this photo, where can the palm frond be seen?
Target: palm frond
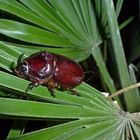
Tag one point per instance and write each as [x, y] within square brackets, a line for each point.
[75, 28]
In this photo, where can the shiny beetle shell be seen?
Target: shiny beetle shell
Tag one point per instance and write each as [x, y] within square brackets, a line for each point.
[51, 70]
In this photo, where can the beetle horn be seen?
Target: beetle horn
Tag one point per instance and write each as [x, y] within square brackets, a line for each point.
[20, 58]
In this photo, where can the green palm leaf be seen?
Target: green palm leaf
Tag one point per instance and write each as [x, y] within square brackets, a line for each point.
[93, 115]
[69, 28]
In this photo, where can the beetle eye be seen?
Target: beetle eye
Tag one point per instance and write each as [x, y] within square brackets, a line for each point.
[25, 68]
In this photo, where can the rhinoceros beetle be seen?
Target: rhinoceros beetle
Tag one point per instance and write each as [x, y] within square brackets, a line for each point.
[51, 70]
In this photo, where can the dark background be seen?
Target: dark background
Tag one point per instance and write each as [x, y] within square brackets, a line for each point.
[130, 8]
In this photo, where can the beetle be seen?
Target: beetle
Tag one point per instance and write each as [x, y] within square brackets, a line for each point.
[51, 70]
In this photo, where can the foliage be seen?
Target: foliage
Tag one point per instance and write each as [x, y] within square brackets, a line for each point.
[77, 29]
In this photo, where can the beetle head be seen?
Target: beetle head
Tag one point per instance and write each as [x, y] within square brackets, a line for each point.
[22, 69]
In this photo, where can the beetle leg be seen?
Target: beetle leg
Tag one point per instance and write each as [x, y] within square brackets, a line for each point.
[51, 88]
[74, 92]
[31, 86]
[51, 85]
[51, 91]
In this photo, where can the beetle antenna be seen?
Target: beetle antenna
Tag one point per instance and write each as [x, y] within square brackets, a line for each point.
[91, 76]
[19, 60]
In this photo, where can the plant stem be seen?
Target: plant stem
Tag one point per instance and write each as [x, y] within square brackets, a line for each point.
[124, 90]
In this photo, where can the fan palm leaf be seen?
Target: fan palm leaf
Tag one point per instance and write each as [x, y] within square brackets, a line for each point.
[50, 26]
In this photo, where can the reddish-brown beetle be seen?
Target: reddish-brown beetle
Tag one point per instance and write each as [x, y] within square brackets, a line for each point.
[50, 70]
